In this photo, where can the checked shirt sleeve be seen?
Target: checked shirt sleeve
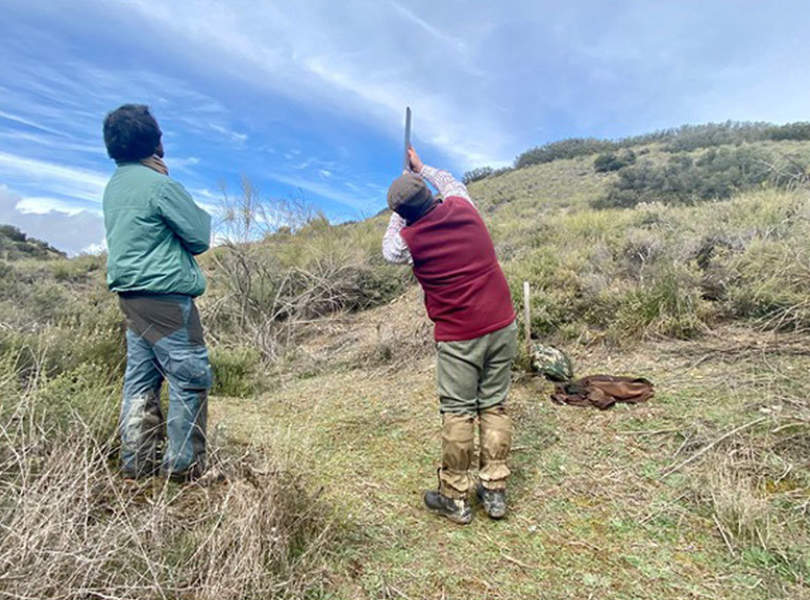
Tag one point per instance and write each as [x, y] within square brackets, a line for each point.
[394, 248]
[445, 183]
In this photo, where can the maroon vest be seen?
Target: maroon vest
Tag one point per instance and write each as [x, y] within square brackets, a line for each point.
[466, 293]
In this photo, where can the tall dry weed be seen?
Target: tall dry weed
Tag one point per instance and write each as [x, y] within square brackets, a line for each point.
[73, 528]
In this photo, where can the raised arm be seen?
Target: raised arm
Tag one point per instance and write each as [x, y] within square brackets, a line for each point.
[443, 181]
[394, 248]
[188, 221]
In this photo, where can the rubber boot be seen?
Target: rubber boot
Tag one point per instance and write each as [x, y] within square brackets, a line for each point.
[142, 436]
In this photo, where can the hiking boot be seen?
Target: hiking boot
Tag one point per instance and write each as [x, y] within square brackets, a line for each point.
[145, 470]
[456, 510]
[193, 473]
[494, 501]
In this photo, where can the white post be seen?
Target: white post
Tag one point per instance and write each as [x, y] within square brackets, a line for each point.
[527, 318]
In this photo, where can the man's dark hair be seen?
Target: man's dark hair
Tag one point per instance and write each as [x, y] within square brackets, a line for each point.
[131, 133]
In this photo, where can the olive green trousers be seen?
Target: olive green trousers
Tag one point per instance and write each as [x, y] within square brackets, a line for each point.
[473, 378]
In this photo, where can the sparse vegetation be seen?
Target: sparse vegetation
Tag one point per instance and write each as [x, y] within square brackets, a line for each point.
[266, 293]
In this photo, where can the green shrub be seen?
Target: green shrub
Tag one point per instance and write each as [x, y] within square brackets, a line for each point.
[89, 393]
[476, 174]
[770, 283]
[790, 131]
[77, 270]
[484, 173]
[236, 371]
[611, 161]
[686, 138]
[95, 339]
[693, 137]
[569, 148]
[715, 174]
[669, 304]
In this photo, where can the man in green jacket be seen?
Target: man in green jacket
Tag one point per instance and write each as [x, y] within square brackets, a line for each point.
[154, 230]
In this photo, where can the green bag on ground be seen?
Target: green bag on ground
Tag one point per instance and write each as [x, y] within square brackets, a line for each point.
[551, 362]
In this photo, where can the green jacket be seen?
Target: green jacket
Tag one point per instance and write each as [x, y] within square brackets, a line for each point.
[154, 229]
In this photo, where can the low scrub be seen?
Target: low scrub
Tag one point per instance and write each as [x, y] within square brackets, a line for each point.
[569, 148]
[717, 173]
[483, 173]
[95, 341]
[236, 371]
[611, 161]
[669, 271]
[686, 138]
[252, 528]
[266, 293]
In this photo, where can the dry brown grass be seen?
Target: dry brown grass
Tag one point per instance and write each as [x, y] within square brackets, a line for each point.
[73, 528]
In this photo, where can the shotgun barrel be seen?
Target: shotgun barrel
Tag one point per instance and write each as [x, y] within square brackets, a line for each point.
[406, 164]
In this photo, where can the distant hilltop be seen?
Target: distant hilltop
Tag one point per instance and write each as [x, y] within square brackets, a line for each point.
[686, 138]
[14, 245]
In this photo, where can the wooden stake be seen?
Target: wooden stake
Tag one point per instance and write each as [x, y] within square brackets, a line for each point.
[527, 317]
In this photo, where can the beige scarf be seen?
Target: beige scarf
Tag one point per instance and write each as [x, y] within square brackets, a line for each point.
[156, 163]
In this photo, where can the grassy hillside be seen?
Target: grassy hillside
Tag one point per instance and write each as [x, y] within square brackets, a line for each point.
[325, 422]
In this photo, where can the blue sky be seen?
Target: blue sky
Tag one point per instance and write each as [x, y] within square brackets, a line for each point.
[306, 99]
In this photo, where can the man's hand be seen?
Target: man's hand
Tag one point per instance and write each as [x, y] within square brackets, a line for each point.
[414, 160]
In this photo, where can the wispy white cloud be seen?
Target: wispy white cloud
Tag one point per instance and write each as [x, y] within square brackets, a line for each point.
[295, 51]
[435, 118]
[205, 195]
[207, 200]
[359, 203]
[434, 31]
[39, 205]
[28, 123]
[52, 118]
[65, 181]
[42, 142]
[95, 247]
[234, 136]
[185, 164]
